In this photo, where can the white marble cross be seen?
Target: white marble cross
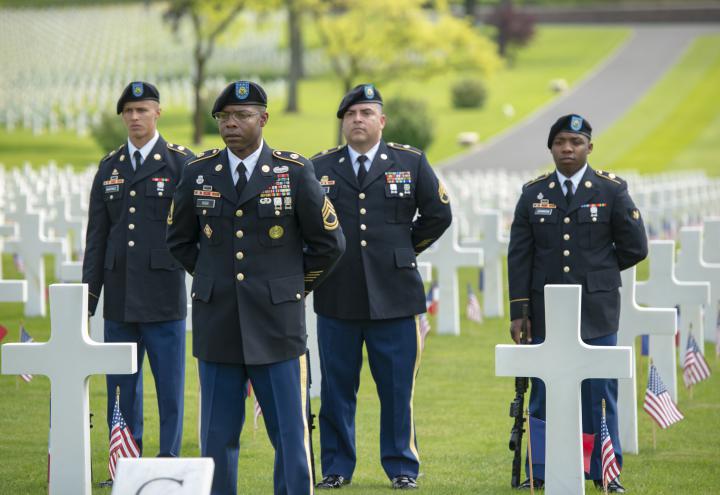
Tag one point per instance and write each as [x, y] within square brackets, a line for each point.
[68, 359]
[446, 256]
[692, 266]
[31, 245]
[563, 361]
[13, 291]
[664, 290]
[711, 239]
[64, 225]
[635, 321]
[494, 246]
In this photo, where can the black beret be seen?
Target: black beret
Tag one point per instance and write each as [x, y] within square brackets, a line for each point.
[362, 93]
[570, 123]
[137, 91]
[240, 93]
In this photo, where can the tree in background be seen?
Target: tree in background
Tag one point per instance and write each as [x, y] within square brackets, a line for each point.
[209, 20]
[514, 28]
[295, 44]
[381, 40]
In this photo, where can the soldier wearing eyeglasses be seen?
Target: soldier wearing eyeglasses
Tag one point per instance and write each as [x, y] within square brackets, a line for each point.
[254, 228]
[144, 287]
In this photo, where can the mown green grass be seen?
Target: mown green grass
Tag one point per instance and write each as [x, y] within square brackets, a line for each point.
[525, 86]
[677, 124]
[460, 413]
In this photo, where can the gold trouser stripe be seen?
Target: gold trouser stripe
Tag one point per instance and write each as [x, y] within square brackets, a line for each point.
[303, 404]
[418, 341]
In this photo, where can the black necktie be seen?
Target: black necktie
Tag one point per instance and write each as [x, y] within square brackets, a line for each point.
[569, 194]
[362, 172]
[242, 180]
[138, 159]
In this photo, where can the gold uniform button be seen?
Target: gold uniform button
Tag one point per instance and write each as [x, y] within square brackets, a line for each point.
[566, 220]
[131, 226]
[132, 209]
[131, 243]
[363, 243]
[239, 234]
[566, 237]
[133, 193]
[160, 193]
[239, 255]
[277, 213]
[566, 253]
[594, 219]
[238, 213]
[298, 296]
[566, 269]
[412, 264]
[542, 220]
[240, 277]
[361, 195]
[192, 295]
[204, 212]
[363, 211]
[363, 227]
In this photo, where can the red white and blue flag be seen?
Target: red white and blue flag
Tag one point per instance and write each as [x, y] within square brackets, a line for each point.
[610, 467]
[658, 403]
[695, 368]
[424, 329]
[25, 339]
[472, 310]
[432, 300]
[122, 443]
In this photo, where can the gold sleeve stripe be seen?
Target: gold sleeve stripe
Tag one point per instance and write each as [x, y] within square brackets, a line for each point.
[518, 300]
[303, 405]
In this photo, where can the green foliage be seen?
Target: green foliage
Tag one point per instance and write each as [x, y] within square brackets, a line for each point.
[469, 93]
[210, 125]
[408, 122]
[110, 132]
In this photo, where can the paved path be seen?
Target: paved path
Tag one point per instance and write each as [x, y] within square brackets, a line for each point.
[603, 97]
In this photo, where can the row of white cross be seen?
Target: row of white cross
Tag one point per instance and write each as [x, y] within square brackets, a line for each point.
[693, 285]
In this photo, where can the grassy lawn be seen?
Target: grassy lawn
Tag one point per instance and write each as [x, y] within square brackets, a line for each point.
[677, 124]
[461, 420]
[525, 86]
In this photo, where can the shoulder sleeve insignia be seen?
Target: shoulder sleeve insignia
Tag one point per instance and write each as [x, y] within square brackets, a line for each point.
[290, 156]
[178, 148]
[538, 179]
[442, 192]
[205, 155]
[609, 176]
[330, 219]
[405, 147]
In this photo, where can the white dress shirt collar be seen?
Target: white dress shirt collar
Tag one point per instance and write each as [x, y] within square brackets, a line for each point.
[575, 179]
[250, 161]
[370, 154]
[146, 149]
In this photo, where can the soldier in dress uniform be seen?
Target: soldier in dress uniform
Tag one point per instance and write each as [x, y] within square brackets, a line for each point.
[575, 225]
[145, 300]
[375, 292]
[253, 227]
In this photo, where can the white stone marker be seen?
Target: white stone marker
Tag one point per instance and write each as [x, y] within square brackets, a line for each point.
[153, 476]
[31, 245]
[711, 239]
[494, 246]
[13, 291]
[446, 256]
[692, 266]
[635, 321]
[663, 290]
[97, 321]
[68, 359]
[563, 361]
[71, 271]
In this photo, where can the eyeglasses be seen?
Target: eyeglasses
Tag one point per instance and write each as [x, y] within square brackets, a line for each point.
[239, 116]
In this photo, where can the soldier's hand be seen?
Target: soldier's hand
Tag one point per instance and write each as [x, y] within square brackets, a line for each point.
[515, 327]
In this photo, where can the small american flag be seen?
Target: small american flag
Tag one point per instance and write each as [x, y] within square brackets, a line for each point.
[424, 329]
[257, 410]
[122, 443]
[695, 368]
[658, 403]
[19, 263]
[610, 468]
[24, 339]
[432, 300]
[472, 310]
